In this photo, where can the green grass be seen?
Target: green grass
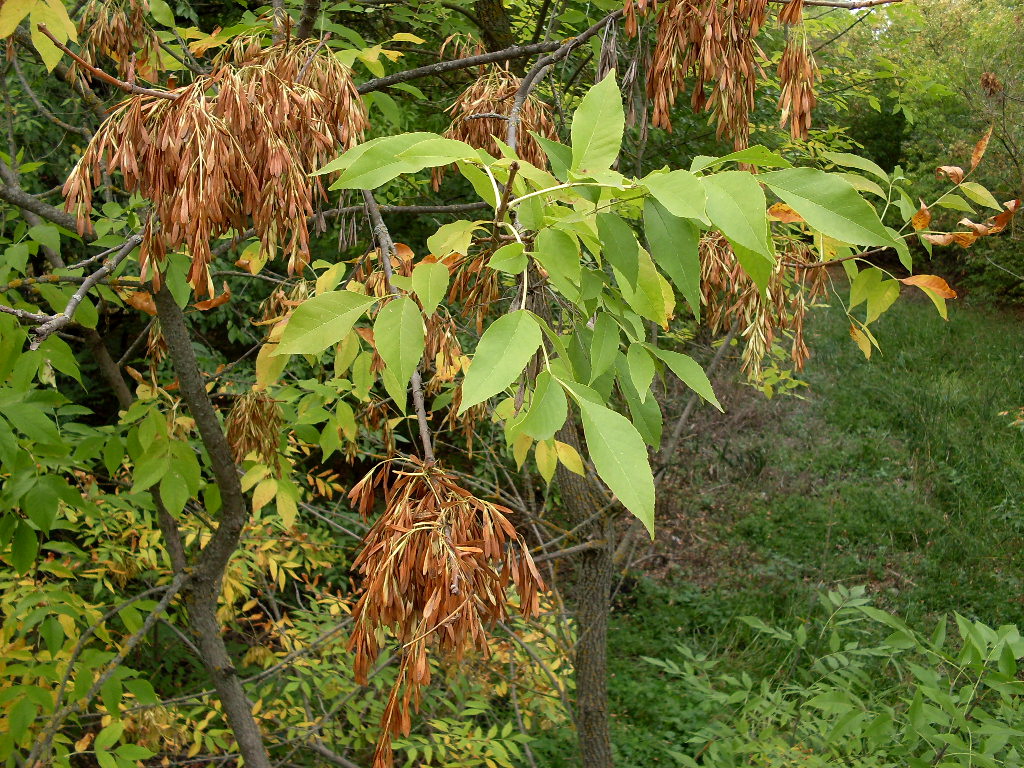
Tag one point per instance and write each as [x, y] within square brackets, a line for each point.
[898, 472]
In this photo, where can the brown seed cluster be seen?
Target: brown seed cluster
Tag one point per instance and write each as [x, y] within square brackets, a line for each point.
[119, 30]
[714, 41]
[233, 148]
[797, 74]
[734, 302]
[436, 569]
[254, 426]
[493, 93]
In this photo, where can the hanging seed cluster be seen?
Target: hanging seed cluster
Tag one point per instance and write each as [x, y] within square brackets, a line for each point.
[797, 74]
[119, 30]
[254, 426]
[436, 568]
[493, 93]
[734, 302]
[233, 149]
[714, 41]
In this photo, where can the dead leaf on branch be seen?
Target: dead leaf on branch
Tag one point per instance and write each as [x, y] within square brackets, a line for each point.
[932, 283]
[980, 147]
[952, 172]
[922, 218]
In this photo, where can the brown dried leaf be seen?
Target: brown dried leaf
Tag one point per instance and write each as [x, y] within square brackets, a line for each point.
[952, 172]
[142, 301]
[784, 213]
[922, 218]
[979, 148]
[216, 301]
[931, 282]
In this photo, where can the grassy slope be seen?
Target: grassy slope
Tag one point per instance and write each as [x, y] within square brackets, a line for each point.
[898, 473]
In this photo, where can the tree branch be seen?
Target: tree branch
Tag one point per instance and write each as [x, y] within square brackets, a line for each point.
[310, 10]
[505, 54]
[58, 321]
[214, 558]
[387, 249]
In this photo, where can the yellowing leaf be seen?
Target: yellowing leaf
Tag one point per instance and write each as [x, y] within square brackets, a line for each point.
[264, 492]
[784, 213]
[520, 448]
[12, 12]
[547, 460]
[570, 457]
[862, 340]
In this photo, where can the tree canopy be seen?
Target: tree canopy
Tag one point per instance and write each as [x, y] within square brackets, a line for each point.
[327, 330]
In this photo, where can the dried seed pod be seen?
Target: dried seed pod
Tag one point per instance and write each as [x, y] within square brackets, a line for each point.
[214, 163]
[792, 12]
[254, 426]
[733, 301]
[493, 93]
[797, 74]
[714, 41]
[119, 30]
[436, 569]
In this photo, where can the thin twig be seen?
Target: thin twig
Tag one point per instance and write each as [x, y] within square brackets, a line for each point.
[387, 249]
[121, 84]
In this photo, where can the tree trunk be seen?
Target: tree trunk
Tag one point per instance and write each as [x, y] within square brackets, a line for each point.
[591, 598]
[496, 27]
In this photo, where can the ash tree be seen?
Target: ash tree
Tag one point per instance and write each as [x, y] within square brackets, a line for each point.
[326, 391]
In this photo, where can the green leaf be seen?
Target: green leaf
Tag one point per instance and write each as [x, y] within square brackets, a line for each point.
[162, 12]
[173, 491]
[322, 321]
[737, 206]
[619, 245]
[619, 455]
[109, 735]
[673, 242]
[559, 253]
[855, 161]
[980, 195]
[597, 126]
[399, 337]
[509, 259]
[505, 349]
[454, 237]
[756, 155]
[548, 409]
[46, 235]
[430, 282]
[559, 156]
[641, 369]
[111, 692]
[678, 192]
[829, 204]
[604, 346]
[689, 372]
[652, 296]
[53, 635]
[24, 548]
[380, 160]
[40, 504]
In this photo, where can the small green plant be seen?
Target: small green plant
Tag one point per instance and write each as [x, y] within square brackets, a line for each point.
[856, 686]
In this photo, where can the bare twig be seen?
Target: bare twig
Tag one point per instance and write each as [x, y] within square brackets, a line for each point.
[60, 320]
